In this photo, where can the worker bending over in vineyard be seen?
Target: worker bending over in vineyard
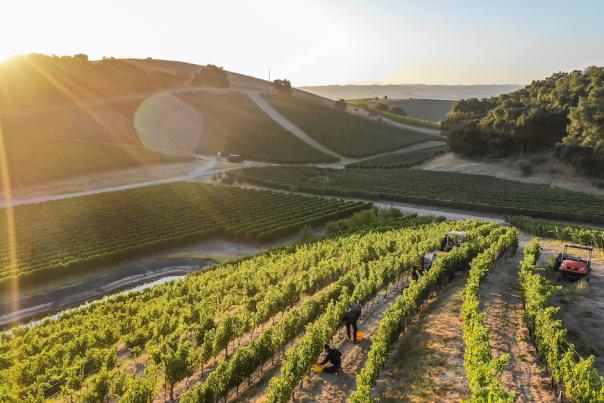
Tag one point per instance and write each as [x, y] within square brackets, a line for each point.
[333, 357]
[350, 320]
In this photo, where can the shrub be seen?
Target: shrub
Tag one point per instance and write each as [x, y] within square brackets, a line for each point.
[228, 179]
[398, 110]
[340, 104]
[211, 76]
[382, 107]
[305, 234]
[526, 167]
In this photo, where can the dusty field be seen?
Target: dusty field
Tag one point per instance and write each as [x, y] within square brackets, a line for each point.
[547, 170]
[508, 334]
[426, 363]
[581, 304]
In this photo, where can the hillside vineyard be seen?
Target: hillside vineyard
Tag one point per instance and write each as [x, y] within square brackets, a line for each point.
[59, 237]
[197, 315]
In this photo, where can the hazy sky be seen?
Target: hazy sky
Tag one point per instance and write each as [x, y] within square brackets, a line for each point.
[323, 41]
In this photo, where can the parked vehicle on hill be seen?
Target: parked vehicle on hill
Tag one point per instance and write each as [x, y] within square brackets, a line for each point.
[451, 240]
[574, 262]
[234, 158]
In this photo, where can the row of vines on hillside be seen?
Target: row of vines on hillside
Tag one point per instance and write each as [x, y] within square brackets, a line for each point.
[401, 312]
[73, 234]
[246, 360]
[482, 368]
[560, 231]
[178, 327]
[305, 351]
[405, 159]
[343, 132]
[578, 377]
[445, 189]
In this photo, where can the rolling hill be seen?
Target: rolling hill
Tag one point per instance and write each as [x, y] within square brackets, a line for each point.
[401, 91]
[343, 132]
[428, 109]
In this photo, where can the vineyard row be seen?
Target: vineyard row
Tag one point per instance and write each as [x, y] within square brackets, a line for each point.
[577, 377]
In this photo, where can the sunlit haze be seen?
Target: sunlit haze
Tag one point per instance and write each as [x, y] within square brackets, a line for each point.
[323, 42]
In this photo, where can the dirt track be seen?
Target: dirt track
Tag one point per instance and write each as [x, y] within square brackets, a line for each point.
[502, 302]
[426, 363]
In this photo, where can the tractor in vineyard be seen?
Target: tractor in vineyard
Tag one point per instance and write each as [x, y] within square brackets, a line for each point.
[451, 240]
[574, 262]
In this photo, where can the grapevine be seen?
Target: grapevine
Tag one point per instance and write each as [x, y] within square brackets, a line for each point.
[578, 376]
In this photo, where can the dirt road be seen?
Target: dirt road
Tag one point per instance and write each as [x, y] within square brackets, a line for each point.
[289, 126]
[426, 363]
[502, 303]
[115, 181]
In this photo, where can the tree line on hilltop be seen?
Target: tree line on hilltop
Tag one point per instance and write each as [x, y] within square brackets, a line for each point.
[564, 111]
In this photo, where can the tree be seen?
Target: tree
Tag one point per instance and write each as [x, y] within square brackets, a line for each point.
[340, 104]
[305, 234]
[382, 107]
[586, 126]
[211, 76]
[398, 110]
[565, 107]
[282, 86]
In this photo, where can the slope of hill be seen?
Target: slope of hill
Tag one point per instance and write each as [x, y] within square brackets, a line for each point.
[36, 80]
[236, 80]
[399, 91]
[429, 109]
[340, 131]
[203, 122]
[234, 124]
[36, 161]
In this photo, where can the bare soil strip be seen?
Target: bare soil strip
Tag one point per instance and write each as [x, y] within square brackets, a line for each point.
[426, 363]
[502, 303]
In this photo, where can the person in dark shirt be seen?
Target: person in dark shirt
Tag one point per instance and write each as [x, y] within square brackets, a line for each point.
[333, 357]
[350, 320]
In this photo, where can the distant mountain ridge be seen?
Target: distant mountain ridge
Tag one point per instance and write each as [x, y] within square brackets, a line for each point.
[401, 91]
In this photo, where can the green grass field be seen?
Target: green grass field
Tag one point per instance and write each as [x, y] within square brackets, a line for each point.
[349, 135]
[446, 189]
[36, 161]
[400, 160]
